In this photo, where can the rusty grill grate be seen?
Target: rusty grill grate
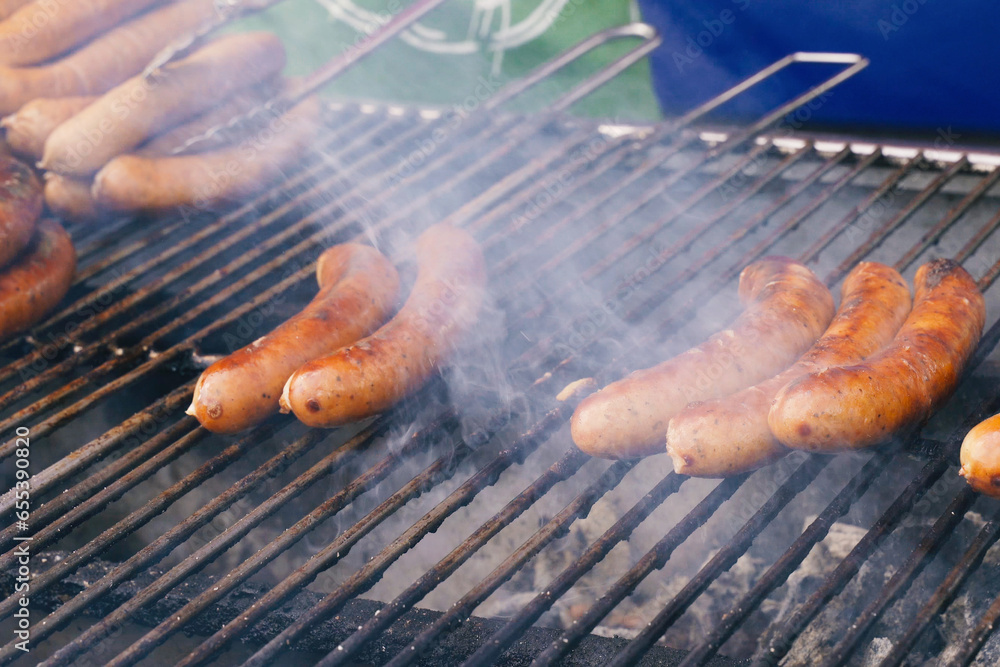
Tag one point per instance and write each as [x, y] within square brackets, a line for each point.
[609, 246]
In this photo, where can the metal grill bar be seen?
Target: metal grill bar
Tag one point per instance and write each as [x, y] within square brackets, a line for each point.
[183, 438]
[647, 196]
[879, 235]
[669, 323]
[557, 526]
[442, 468]
[364, 578]
[762, 247]
[932, 235]
[987, 623]
[654, 559]
[809, 255]
[600, 266]
[164, 544]
[781, 642]
[946, 592]
[723, 560]
[736, 267]
[111, 474]
[919, 558]
[778, 573]
[684, 242]
[976, 241]
[181, 532]
[563, 469]
[619, 531]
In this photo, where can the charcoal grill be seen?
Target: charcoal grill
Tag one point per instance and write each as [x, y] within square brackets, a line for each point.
[463, 527]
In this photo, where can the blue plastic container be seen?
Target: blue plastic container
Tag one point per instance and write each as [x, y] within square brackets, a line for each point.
[933, 72]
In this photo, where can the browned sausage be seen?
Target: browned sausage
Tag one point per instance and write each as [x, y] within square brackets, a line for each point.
[728, 436]
[38, 280]
[981, 457]
[20, 206]
[850, 407]
[28, 129]
[376, 372]
[787, 310]
[70, 198]
[358, 290]
[106, 61]
[139, 109]
[41, 31]
[144, 182]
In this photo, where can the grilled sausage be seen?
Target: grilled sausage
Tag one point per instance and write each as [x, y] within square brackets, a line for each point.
[236, 105]
[105, 62]
[38, 280]
[20, 206]
[787, 309]
[41, 31]
[181, 91]
[980, 457]
[376, 372]
[28, 129]
[143, 182]
[850, 407]
[358, 290]
[728, 436]
[70, 198]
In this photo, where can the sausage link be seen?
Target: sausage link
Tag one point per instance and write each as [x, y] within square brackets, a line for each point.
[856, 406]
[41, 31]
[787, 308]
[28, 129]
[728, 436]
[236, 105]
[38, 280]
[20, 206]
[139, 109]
[70, 198]
[203, 180]
[8, 7]
[980, 457]
[106, 61]
[376, 372]
[358, 290]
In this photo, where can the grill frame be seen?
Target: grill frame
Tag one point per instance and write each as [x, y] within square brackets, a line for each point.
[488, 216]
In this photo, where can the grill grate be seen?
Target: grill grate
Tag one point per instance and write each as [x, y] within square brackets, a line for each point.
[560, 205]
